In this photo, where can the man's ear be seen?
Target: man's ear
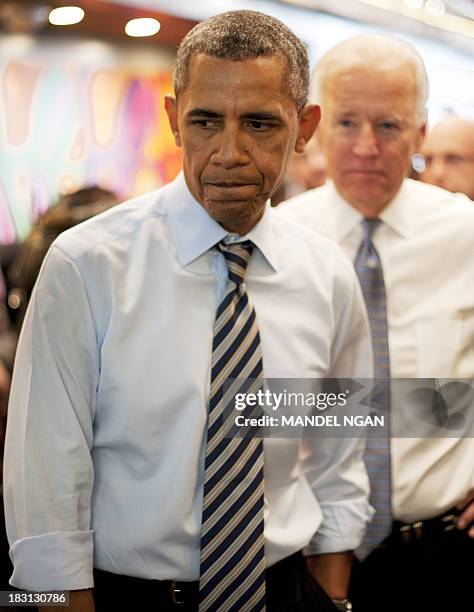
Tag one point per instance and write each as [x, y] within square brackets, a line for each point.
[420, 136]
[171, 106]
[308, 122]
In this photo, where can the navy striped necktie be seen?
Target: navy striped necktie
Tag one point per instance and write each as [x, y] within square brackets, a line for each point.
[232, 574]
[377, 453]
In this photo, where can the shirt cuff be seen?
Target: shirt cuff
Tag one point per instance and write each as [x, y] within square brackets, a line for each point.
[61, 561]
[343, 527]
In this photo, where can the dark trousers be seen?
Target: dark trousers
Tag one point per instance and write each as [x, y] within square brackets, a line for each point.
[289, 588]
[434, 573]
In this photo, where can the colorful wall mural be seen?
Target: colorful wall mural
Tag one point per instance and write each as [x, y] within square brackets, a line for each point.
[64, 125]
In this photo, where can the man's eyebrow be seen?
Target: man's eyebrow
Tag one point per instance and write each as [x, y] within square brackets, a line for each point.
[262, 116]
[204, 112]
[256, 116]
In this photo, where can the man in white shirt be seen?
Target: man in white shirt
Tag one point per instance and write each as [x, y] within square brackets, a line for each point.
[372, 91]
[106, 454]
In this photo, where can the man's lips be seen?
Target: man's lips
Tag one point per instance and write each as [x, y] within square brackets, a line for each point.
[230, 190]
[228, 183]
[365, 172]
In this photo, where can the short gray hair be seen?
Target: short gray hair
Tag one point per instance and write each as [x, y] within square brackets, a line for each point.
[242, 35]
[367, 49]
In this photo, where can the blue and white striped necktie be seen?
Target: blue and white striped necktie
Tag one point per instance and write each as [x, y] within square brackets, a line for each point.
[232, 576]
[377, 453]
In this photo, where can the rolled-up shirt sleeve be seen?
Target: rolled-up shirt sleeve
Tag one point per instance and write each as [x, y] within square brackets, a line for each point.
[48, 470]
[334, 466]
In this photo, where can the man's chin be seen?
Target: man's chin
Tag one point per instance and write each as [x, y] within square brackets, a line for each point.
[233, 193]
[216, 202]
[235, 215]
[362, 196]
[236, 204]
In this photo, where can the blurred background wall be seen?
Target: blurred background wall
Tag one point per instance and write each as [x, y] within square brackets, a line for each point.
[74, 113]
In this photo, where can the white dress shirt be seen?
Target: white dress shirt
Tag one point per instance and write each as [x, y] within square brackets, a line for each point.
[107, 418]
[425, 244]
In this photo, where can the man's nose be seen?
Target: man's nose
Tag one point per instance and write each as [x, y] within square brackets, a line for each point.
[231, 148]
[366, 144]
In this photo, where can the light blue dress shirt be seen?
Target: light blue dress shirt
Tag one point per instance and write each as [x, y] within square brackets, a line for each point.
[105, 443]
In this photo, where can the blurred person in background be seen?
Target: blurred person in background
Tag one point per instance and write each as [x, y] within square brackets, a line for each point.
[8, 340]
[307, 170]
[411, 245]
[8, 336]
[448, 151]
[21, 264]
[71, 209]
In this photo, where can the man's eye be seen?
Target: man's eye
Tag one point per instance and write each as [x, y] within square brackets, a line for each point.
[346, 123]
[259, 126]
[454, 159]
[388, 126]
[204, 123]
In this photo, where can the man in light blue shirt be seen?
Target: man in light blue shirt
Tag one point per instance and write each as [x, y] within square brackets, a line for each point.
[108, 415]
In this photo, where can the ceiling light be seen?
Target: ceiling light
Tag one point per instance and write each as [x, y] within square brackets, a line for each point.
[145, 26]
[413, 4]
[66, 15]
[435, 8]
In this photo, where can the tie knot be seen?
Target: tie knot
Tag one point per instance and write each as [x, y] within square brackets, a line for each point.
[369, 226]
[237, 256]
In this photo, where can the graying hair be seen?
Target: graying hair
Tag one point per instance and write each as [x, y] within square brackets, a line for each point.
[242, 35]
[364, 49]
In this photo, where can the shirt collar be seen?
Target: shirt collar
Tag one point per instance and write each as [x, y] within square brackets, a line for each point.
[194, 232]
[396, 215]
[344, 217]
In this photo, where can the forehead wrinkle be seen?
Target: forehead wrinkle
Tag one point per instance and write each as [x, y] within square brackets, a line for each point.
[223, 73]
[342, 86]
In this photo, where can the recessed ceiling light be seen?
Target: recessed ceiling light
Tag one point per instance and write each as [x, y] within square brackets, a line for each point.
[66, 15]
[144, 26]
[435, 8]
[413, 4]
